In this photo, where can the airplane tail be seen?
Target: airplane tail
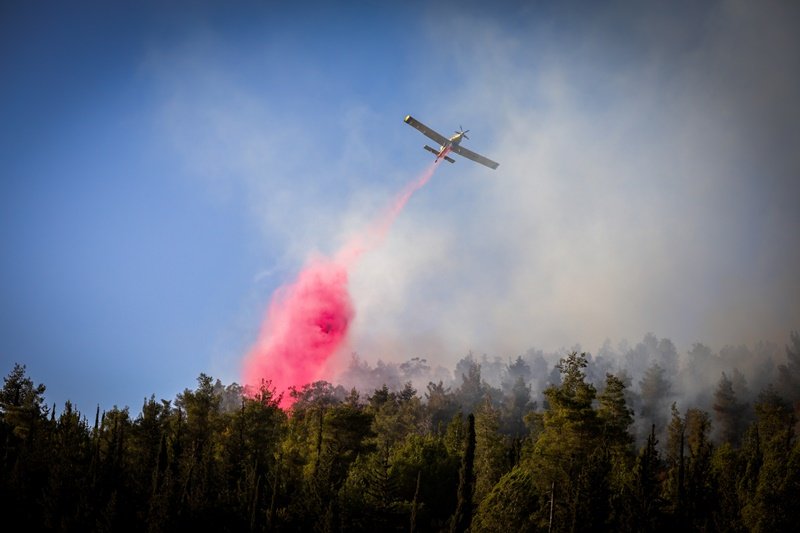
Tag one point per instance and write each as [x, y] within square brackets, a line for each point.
[436, 153]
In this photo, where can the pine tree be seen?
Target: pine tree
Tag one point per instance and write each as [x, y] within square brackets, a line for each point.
[415, 505]
[654, 389]
[490, 452]
[700, 490]
[436, 495]
[441, 406]
[789, 373]
[21, 402]
[728, 412]
[568, 456]
[726, 470]
[614, 415]
[471, 392]
[770, 447]
[511, 506]
[615, 418]
[466, 482]
[646, 508]
[516, 406]
[676, 461]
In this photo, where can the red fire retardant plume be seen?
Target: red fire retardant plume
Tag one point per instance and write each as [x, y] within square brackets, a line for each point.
[308, 319]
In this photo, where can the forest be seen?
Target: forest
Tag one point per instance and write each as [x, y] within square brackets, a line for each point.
[634, 439]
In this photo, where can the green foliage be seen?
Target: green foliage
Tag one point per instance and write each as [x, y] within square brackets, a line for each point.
[700, 487]
[516, 406]
[471, 392]
[728, 412]
[21, 402]
[727, 469]
[441, 406]
[427, 459]
[462, 519]
[614, 416]
[644, 505]
[569, 464]
[654, 390]
[230, 459]
[614, 419]
[769, 449]
[789, 373]
[394, 416]
[570, 420]
[511, 505]
[491, 455]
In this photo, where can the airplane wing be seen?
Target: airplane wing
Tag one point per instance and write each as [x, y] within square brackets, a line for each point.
[438, 137]
[469, 154]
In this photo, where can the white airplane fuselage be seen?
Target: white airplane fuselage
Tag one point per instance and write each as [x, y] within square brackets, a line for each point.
[445, 149]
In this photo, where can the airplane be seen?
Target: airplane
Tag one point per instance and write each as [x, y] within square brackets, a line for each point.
[453, 144]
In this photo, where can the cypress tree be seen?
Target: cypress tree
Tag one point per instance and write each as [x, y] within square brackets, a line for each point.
[415, 505]
[466, 482]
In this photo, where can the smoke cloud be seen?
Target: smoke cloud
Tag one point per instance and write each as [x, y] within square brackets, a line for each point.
[308, 320]
[646, 171]
[648, 181]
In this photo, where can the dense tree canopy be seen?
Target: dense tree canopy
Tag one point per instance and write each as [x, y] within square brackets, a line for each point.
[464, 456]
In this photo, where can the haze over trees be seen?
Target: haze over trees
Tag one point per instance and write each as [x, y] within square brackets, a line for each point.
[634, 439]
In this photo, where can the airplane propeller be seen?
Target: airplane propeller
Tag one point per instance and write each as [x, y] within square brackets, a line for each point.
[462, 132]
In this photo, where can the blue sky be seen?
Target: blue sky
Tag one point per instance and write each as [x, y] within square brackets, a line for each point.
[165, 168]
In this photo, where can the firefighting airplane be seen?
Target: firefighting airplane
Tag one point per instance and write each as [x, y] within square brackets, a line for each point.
[453, 144]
